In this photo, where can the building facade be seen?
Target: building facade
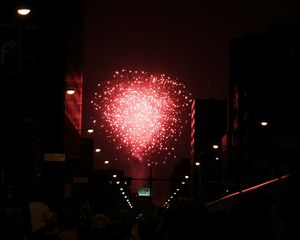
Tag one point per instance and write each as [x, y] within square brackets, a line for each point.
[207, 159]
[263, 133]
[41, 56]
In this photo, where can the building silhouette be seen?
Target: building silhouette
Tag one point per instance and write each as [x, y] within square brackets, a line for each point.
[263, 133]
[207, 158]
[41, 124]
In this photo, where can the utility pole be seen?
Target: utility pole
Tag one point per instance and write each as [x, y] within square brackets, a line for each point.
[150, 181]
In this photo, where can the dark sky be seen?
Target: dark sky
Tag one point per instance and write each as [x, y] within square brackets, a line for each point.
[185, 40]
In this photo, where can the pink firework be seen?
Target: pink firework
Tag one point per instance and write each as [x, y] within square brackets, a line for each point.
[142, 113]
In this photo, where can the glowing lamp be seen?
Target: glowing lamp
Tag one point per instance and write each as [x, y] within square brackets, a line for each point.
[70, 91]
[23, 11]
[264, 123]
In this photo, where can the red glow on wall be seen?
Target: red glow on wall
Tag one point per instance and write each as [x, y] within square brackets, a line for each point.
[73, 102]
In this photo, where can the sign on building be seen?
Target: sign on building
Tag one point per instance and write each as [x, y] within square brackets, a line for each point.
[144, 192]
[57, 157]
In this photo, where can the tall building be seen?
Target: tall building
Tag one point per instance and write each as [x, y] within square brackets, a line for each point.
[208, 128]
[263, 132]
[40, 59]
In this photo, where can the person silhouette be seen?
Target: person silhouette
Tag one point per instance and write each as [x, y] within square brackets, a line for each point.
[40, 216]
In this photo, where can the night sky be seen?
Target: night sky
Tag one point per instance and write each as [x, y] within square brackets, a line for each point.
[186, 40]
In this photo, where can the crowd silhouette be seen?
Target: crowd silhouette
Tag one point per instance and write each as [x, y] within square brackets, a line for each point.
[252, 215]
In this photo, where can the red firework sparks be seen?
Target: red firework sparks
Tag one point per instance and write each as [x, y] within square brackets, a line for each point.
[143, 113]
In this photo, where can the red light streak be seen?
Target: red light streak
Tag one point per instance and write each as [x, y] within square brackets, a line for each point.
[248, 189]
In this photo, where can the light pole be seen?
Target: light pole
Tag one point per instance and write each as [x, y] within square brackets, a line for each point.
[150, 181]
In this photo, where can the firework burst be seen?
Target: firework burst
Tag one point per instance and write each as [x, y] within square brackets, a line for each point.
[142, 113]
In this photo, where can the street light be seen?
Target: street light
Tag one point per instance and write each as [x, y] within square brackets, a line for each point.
[97, 150]
[23, 7]
[23, 11]
[85, 132]
[70, 91]
[264, 123]
[90, 130]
